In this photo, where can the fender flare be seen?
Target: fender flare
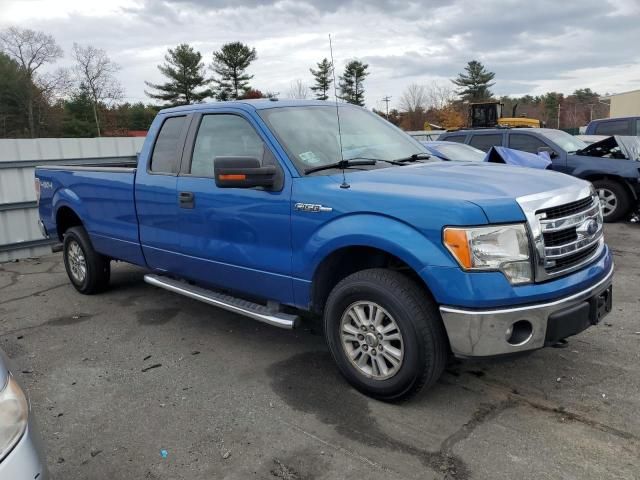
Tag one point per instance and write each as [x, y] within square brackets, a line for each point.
[369, 230]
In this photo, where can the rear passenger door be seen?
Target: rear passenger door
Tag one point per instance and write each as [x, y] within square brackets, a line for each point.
[484, 141]
[235, 238]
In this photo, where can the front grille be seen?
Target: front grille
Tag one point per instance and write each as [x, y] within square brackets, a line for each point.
[560, 237]
[573, 259]
[571, 234]
[567, 209]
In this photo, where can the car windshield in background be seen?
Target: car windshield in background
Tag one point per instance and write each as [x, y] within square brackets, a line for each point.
[567, 142]
[310, 136]
[458, 152]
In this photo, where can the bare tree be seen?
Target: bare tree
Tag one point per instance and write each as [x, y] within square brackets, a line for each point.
[413, 99]
[298, 89]
[440, 95]
[96, 73]
[31, 49]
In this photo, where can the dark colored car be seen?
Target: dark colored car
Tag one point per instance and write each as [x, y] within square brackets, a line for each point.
[614, 126]
[616, 179]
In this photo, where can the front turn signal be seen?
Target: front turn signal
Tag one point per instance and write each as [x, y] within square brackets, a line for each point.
[456, 240]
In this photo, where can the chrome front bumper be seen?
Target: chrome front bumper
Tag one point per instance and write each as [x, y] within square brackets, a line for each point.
[483, 333]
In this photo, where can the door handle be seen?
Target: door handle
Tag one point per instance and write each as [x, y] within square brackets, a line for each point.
[186, 200]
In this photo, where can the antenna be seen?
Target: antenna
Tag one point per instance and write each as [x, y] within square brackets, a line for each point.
[335, 95]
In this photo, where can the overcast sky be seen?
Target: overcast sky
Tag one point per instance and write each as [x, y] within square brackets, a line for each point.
[532, 46]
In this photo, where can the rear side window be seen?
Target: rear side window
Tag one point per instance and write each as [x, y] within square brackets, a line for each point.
[485, 142]
[167, 149]
[613, 127]
[456, 138]
[638, 127]
[526, 143]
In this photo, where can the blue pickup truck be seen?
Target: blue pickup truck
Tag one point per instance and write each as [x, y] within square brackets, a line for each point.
[267, 209]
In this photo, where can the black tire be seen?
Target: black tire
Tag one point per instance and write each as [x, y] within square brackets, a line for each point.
[621, 197]
[97, 267]
[424, 341]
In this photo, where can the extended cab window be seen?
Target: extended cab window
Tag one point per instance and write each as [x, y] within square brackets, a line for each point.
[613, 127]
[223, 135]
[167, 150]
[526, 143]
[485, 142]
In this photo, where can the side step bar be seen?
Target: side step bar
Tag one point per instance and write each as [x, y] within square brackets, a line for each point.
[233, 304]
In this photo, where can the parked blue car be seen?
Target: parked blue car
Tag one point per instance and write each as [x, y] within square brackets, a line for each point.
[265, 209]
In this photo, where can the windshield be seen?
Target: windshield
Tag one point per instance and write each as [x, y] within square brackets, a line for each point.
[310, 135]
[458, 152]
[567, 142]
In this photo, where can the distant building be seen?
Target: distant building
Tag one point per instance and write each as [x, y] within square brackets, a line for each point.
[623, 104]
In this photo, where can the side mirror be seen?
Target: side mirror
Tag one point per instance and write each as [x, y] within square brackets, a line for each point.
[551, 153]
[243, 172]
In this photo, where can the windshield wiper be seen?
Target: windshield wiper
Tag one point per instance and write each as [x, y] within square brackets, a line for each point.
[413, 158]
[342, 164]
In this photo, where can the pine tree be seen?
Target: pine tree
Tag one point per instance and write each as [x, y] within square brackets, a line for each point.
[323, 79]
[230, 63]
[351, 82]
[184, 68]
[475, 85]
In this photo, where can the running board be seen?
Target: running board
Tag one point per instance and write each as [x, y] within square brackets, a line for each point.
[233, 304]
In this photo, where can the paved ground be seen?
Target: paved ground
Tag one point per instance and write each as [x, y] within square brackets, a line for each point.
[116, 378]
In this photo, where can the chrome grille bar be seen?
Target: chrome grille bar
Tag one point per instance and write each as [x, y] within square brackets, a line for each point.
[577, 239]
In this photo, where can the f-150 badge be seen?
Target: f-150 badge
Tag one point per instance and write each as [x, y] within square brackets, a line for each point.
[312, 207]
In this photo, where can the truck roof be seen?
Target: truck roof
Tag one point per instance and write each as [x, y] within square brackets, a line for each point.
[257, 104]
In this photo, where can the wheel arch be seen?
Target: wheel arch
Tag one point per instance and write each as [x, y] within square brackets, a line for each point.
[346, 260]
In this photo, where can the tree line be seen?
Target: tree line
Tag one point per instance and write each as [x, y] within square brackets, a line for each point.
[446, 106]
[86, 99]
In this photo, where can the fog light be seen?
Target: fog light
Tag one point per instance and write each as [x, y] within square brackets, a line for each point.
[519, 333]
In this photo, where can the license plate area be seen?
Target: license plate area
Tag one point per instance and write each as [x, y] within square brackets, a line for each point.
[601, 305]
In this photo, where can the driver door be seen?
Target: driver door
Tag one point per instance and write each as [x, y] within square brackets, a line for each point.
[235, 238]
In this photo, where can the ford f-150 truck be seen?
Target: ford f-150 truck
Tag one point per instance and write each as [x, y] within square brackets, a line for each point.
[268, 209]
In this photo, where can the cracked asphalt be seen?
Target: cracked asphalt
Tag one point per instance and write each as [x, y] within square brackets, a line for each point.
[116, 378]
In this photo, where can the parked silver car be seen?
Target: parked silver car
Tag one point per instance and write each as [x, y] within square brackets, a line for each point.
[21, 457]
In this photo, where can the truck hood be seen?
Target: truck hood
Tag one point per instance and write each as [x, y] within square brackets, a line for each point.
[492, 187]
[614, 147]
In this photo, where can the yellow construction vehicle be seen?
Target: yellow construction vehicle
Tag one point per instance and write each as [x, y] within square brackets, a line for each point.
[489, 115]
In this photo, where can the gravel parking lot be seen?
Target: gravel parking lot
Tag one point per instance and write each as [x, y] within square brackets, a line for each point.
[117, 378]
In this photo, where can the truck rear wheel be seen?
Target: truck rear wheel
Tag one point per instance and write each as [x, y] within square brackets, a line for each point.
[614, 198]
[385, 334]
[88, 271]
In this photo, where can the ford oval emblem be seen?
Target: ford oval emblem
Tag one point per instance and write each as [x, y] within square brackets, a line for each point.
[589, 227]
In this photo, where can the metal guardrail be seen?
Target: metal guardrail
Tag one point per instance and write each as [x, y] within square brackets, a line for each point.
[19, 233]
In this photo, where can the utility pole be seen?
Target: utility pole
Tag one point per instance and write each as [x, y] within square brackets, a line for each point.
[558, 115]
[386, 100]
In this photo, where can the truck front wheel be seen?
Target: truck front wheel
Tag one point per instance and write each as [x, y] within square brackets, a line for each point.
[385, 334]
[88, 271]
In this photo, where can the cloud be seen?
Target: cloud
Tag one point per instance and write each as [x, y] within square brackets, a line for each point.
[531, 46]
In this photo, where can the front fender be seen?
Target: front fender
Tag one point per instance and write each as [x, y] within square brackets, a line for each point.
[415, 248]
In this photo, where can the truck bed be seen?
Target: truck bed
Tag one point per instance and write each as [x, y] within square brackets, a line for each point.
[103, 196]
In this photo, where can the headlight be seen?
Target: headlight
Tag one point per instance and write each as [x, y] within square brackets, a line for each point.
[14, 410]
[498, 247]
